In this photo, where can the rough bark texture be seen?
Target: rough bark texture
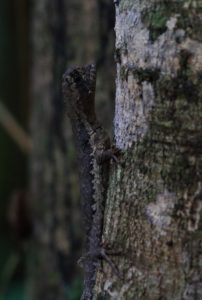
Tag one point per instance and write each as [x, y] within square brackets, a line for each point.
[154, 205]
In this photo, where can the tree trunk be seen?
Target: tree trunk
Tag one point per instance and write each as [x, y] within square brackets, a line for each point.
[154, 205]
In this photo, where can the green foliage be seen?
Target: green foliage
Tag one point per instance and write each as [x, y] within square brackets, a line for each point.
[17, 292]
[9, 289]
[74, 293]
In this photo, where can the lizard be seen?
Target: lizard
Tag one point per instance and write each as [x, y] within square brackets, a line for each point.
[93, 153]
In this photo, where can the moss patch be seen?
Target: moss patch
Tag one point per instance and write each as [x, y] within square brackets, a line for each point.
[155, 19]
[140, 74]
[189, 19]
[146, 74]
[172, 149]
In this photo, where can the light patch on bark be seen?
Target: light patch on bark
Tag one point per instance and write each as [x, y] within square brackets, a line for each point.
[119, 294]
[171, 23]
[160, 212]
[133, 108]
[108, 288]
[134, 101]
[195, 48]
[129, 105]
[194, 208]
[191, 3]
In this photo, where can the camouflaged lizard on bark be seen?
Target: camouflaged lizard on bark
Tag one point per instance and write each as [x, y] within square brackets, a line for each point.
[94, 152]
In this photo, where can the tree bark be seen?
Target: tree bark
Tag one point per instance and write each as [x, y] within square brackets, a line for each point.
[154, 204]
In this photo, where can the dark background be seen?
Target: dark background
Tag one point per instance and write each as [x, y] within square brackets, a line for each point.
[74, 40]
[14, 85]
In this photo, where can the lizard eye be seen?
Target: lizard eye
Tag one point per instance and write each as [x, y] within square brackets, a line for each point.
[77, 77]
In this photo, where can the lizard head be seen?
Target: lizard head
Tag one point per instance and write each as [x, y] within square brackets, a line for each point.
[78, 85]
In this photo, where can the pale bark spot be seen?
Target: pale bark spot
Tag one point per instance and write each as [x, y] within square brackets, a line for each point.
[160, 212]
[194, 208]
[171, 23]
[195, 48]
[108, 288]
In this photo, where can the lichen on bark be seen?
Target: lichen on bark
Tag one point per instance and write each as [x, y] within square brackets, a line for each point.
[154, 204]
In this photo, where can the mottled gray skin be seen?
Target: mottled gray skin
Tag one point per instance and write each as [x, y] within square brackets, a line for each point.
[93, 150]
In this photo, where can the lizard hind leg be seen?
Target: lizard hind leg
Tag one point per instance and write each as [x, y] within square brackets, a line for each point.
[105, 253]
